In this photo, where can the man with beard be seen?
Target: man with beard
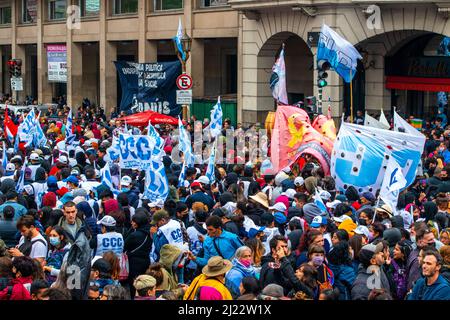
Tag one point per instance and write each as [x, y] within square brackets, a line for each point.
[32, 243]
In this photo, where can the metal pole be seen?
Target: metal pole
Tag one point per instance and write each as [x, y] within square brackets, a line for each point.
[183, 66]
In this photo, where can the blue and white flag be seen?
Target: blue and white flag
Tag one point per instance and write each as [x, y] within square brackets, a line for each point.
[340, 53]
[27, 127]
[70, 136]
[182, 182]
[159, 142]
[319, 202]
[211, 164]
[156, 183]
[106, 178]
[215, 127]
[40, 138]
[16, 144]
[393, 182]
[185, 145]
[113, 152]
[278, 80]
[177, 40]
[4, 157]
[21, 182]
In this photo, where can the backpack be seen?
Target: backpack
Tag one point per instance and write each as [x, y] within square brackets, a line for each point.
[26, 247]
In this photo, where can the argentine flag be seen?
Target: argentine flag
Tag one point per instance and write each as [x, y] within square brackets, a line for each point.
[215, 127]
[21, 182]
[177, 40]
[319, 202]
[211, 164]
[278, 79]
[340, 53]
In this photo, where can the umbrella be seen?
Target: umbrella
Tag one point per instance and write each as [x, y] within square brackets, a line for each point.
[141, 119]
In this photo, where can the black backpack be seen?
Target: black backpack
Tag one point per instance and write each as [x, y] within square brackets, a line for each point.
[26, 247]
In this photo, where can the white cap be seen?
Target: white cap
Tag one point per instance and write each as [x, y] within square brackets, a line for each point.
[278, 207]
[125, 181]
[17, 157]
[10, 150]
[10, 167]
[325, 195]
[87, 143]
[97, 173]
[299, 181]
[107, 221]
[290, 193]
[63, 159]
[203, 180]
[341, 218]
[157, 204]
[363, 230]
[333, 204]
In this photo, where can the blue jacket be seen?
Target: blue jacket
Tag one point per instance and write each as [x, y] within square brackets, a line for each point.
[19, 210]
[344, 276]
[234, 277]
[227, 243]
[440, 290]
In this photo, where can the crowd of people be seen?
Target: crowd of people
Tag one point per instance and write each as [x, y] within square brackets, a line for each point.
[251, 234]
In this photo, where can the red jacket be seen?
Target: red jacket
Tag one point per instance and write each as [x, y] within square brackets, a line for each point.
[18, 292]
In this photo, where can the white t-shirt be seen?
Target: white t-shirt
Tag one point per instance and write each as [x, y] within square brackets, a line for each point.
[38, 249]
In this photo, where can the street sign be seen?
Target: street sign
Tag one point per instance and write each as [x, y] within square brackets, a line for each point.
[17, 84]
[184, 82]
[184, 96]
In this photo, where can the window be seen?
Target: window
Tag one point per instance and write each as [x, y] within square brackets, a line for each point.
[29, 11]
[57, 9]
[5, 15]
[214, 3]
[125, 6]
[89, 7]
[168, 4]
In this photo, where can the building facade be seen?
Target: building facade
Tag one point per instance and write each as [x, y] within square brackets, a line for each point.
[234, 45]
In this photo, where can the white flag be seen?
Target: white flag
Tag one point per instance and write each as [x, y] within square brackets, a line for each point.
[374, 123]
[383, 119]
[393, 182]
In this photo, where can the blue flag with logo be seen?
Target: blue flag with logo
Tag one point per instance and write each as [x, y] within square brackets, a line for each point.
[4, 157]
[70, 136]
[211, 164]
[21, 182]
[340, 53]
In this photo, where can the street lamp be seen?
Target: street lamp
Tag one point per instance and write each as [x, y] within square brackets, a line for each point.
[186, 43]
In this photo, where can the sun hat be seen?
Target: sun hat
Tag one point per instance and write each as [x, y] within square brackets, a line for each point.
[261, 198]
[216, 266]
[144, 281]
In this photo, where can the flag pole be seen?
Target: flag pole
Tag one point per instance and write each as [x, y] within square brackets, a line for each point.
[351, 97]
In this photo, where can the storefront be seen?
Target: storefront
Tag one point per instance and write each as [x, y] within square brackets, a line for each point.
[415, 74]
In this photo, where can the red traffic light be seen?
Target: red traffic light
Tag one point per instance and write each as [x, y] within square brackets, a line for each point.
[11, 62]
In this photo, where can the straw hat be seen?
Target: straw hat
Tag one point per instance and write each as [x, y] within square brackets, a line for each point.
[216, 266]
[261, 198]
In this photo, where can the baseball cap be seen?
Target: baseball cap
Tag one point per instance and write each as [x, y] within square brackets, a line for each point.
[299, 181]
[325, 195]
[253, 232]
[203, 179]
[333, 204]
[144, 281]
[125, 181]
[75, 172]
[278, 207]
[341, 218]
[34, 156]
[373, 248]
[156, 204]
[71, 179]
[273, 290]
[280, 217]
[10, 167]
[87, 143]
[63, 159]
[159, 215]
[318, 221]
[196, 184]
[363, 230]
[342, 198]
[290, 193]
[107, 221]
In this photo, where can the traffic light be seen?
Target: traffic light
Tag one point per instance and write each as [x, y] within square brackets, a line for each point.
[322, 67]
[15, 68]
[18, 68]
[11, 65]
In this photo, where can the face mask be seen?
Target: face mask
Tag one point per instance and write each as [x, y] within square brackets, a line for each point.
[246, 263]
[294, 204]
[371, 236]
[263, 239]
[362, 222]
[317, 261]
[413, 239]
[125, 190]
[55, 241]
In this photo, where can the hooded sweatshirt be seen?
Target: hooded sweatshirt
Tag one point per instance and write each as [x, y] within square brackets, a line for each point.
[439, 290]
[234, 277]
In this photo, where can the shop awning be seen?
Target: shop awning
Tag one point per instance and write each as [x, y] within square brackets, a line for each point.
[418, 84]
